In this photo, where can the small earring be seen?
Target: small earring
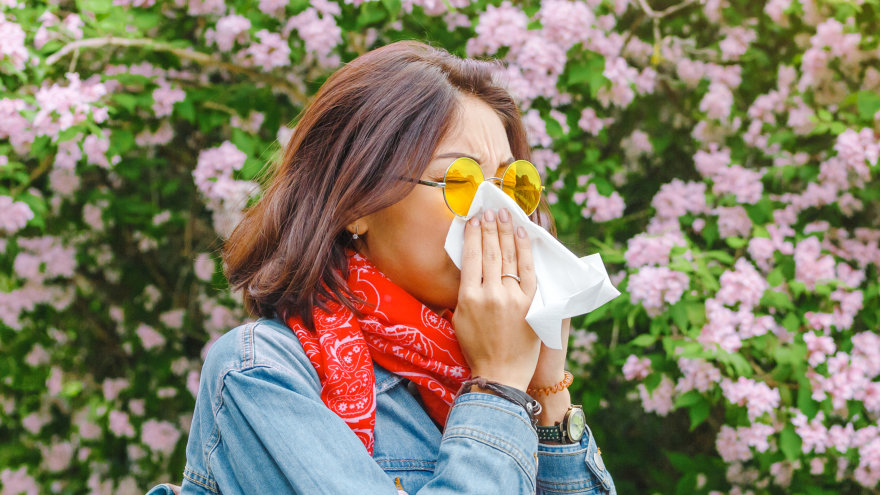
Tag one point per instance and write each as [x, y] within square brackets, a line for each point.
[355, 235]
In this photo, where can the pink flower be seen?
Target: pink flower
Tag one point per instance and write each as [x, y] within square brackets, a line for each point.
[636, 368]
[565, 22]
[818, 348]
[736, 42]
[12, 43]
[545, 159]
[215, 164]
[150, 338]
[206, 7]
[718, 102]
[120, 425]
[743, 183]
[678, 198]
[16, 214]
[660, 399]
[590, 122]
[733, 221]
[743, 285]
[160, 436]
[536, 129]
[698, 374]
[15, 482]
[172, 318]
[497, 27]
[230, 30]
[112, 387]
[709, 163]
[35, 421]
[730, 446]
[164, 98]
[96, 148]
[758, 397]
[272, 7]
[320, 34]
[810, 266]
[58, 456]
[270, 52]
[645, 249]
[192, 382]
[204, 267]
[601, 208]
[653, 286]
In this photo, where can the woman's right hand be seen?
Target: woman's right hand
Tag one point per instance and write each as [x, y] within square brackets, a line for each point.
[489, 319]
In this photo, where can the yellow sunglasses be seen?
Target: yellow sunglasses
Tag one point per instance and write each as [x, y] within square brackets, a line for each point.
[519, 180]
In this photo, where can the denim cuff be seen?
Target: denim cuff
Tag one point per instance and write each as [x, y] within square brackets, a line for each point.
[496, 422]
[572, 468]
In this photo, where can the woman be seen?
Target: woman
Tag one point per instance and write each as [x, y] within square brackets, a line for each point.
[351, 380]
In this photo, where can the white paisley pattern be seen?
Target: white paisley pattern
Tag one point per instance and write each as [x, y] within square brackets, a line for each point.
[397, 332]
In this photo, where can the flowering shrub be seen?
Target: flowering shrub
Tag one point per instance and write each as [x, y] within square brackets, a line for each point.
[720, 154]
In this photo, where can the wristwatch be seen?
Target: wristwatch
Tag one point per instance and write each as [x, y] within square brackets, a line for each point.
[571, 430]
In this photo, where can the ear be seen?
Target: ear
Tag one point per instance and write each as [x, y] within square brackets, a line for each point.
[358, 227]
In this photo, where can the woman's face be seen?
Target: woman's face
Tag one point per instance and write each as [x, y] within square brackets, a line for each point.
[405, 241]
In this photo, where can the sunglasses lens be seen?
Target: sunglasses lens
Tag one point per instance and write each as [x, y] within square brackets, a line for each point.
[462, 179]
[522, 183]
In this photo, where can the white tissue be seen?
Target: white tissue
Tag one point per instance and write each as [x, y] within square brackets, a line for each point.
[567, 286]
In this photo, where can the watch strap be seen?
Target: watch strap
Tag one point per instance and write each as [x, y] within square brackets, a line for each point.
[550, 433]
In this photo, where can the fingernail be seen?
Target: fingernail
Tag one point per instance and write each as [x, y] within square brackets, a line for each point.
[475, 221]
[521, 232]
[489, 215]
[504, 215]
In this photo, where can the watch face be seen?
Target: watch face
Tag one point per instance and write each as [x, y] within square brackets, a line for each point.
[577, 424]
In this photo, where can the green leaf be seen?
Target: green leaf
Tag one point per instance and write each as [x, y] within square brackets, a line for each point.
[94, 6]
[775, 278]
[735, 242]
[805, 401]
[370, 14]
[776, 299]
[644, 340]
[690, 398]
[736, 363]
[791, 322]
[790, 443]
[393, 7]
[251, 168]
[125, 100]
[868, 104]
[698, 413]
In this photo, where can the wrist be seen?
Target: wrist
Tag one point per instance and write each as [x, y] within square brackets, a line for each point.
[554, 407]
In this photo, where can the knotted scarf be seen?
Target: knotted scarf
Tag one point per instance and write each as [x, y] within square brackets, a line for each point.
[398, 332]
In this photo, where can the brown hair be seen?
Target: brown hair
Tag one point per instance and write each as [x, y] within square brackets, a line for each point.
[378, 118]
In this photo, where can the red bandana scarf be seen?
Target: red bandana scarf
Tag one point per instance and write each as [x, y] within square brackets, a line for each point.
[397, 332]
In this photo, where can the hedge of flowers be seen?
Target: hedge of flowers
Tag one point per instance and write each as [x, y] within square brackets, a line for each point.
[721, 155]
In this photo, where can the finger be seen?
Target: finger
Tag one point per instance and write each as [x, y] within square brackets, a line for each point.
[507, 245]
[472, 254]
[524, 262]
[491, 248]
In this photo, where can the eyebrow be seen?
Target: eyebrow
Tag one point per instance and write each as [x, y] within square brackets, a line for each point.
[456, 154]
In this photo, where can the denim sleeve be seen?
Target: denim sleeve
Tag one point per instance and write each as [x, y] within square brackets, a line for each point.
[575, 468]
[277, 435]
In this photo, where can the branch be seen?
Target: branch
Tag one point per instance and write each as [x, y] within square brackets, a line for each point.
[663, 13]
[296, 96]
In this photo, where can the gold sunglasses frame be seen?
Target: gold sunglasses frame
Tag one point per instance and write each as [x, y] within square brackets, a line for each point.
[500, 181]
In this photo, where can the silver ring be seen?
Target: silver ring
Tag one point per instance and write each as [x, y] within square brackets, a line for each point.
[511, 276]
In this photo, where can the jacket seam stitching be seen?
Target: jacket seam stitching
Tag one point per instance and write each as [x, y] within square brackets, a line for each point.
[491, 406]
[203, 481]
[496, 443]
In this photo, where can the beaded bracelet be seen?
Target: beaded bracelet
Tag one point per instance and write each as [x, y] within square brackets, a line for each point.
[552, 389]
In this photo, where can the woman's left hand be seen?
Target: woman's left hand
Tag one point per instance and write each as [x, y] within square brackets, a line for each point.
[550, 371]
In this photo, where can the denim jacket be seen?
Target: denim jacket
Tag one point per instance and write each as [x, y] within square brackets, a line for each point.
[260, 427]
